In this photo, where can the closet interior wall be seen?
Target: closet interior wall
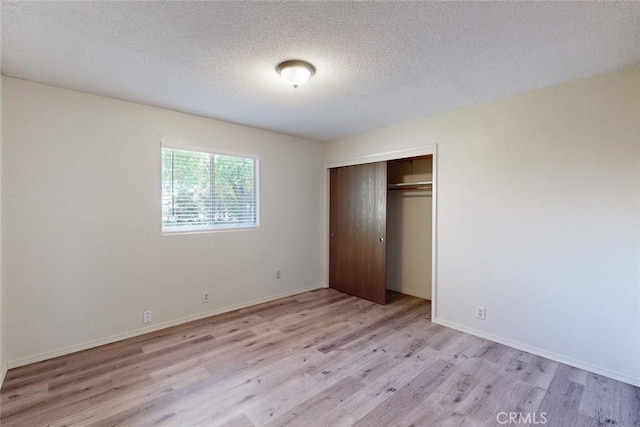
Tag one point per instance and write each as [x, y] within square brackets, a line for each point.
[409, 217]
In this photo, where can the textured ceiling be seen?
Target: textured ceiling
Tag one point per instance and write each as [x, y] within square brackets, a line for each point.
[377, 63]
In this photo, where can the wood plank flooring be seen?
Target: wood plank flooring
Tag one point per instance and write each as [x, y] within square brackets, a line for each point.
[319, 358]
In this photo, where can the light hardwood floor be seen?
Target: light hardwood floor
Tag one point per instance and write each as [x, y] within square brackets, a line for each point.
[320, 358]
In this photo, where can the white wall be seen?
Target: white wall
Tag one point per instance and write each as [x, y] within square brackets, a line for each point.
[3, 366]
[538, 218]
[83, 252]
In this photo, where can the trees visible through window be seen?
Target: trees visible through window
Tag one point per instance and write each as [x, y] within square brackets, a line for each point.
[204, 191]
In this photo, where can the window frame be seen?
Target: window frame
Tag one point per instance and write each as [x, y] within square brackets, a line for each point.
[208, 228]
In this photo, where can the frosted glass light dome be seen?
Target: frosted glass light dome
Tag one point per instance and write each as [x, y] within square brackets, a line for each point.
[295, 73]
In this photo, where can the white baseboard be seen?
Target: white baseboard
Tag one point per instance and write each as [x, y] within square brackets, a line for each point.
[3, 373]
[543, 353]
[249, 303]
[119, 337]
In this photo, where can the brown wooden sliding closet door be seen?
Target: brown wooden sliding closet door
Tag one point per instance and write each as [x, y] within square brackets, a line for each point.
[357, 228]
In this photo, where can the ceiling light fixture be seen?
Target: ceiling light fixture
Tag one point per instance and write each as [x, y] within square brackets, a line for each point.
[295, 72]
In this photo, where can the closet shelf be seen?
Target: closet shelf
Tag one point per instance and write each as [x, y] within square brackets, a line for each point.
[422, 185]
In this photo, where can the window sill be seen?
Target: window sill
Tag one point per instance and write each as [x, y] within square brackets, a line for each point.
[208, 230]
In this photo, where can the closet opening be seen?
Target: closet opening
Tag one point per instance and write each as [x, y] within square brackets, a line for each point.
[380, 228]
[409, 226]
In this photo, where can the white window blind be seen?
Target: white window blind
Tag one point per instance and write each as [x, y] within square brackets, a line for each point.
[205, 191]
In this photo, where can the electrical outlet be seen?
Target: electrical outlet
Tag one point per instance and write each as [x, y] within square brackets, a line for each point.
[147, 317]
[278, 274]
[481, 312]
[205, 297]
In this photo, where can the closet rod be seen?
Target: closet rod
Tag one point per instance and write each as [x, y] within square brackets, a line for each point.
[410, 185]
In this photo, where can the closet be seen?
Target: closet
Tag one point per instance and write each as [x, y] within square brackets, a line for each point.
[380, 228]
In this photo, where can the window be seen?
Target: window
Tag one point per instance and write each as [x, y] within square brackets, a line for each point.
[206, 191]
